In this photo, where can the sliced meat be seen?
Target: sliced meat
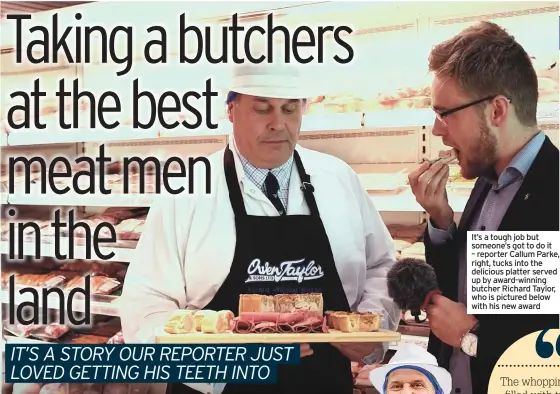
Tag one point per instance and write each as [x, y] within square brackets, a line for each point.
[302, 328]
[55, 330]
[243, 326]
[99, 284]
[275, 317]
[308, 325]
[118, 338]
[26, 388]
[131, 229]
[105, 224]
[284, 328]
[265, 327]
[125, 213]
[54, 388]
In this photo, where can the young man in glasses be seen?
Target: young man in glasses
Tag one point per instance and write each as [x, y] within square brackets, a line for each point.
[485, 95]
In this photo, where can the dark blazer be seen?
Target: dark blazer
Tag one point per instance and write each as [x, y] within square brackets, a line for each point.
[539, 212]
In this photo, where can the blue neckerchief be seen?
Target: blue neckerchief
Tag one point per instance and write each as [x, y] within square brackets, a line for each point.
[430, 377]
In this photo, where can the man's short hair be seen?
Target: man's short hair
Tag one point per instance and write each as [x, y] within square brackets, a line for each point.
[486, 60]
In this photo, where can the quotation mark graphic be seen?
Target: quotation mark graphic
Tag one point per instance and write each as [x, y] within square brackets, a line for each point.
[546, 349]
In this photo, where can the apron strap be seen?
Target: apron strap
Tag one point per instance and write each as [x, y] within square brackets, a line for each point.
[236, 198]
[306, 186]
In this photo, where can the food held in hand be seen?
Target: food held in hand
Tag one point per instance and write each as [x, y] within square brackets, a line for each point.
[445, 157]
[181, 322]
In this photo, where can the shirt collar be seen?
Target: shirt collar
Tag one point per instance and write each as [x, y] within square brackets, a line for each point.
[519, 166]
[258, 175]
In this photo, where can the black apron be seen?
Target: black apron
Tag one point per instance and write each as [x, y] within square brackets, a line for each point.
[273, 240]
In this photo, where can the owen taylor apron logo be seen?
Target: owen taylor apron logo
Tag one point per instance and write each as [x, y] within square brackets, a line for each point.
[287, 271]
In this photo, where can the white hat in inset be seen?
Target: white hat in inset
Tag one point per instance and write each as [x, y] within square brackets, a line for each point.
[416, 357]
[272, 80]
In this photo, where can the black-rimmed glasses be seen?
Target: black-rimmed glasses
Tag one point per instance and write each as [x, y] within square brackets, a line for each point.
[442, 115]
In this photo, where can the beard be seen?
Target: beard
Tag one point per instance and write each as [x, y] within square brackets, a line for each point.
[482, 154]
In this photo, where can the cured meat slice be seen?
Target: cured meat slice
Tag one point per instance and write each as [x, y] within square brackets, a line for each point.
[118, 338]
[105, 231]
[26, 388]
[309, 325]
[294, 317]
[131, 229]
[55, 330]
[107, 268]
[265, 327]
[275, 317]
[25, 330]
[243, 327]
[50, 279]
[302, 328]
[99, 284]
[257, 317]
[284, 328]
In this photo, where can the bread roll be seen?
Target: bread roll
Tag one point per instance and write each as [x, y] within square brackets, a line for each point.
[228, 316]
[216, 322]
[199, 318]
[181, 322]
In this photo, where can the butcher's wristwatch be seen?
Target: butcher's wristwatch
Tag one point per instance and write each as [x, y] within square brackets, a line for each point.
[469, 341]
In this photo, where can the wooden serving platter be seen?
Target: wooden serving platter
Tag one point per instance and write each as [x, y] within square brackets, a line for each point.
[274, 338]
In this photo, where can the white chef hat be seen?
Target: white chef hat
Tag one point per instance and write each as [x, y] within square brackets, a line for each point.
[273, 80]
[411, 356]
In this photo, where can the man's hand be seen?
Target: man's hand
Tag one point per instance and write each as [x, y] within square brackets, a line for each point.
[449, 320]
[428, 185]
[357, 351]
[305, 350]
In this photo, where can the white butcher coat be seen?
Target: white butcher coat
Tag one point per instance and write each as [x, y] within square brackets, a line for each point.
[188, 243]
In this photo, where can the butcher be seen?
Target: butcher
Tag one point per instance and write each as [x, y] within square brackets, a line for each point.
[272, 203]
[411, 370]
